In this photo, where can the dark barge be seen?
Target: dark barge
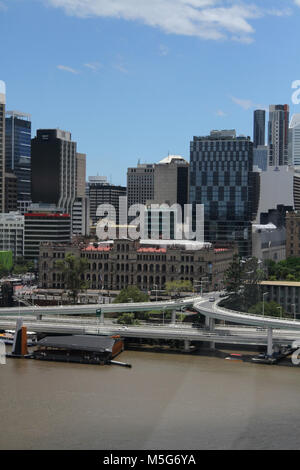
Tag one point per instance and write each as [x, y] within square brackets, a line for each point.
[83, 349]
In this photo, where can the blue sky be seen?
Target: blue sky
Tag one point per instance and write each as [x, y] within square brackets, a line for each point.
[136, 79]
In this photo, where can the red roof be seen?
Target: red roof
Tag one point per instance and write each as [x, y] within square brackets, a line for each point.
[152, 250]
[42, 214]
[99, 248]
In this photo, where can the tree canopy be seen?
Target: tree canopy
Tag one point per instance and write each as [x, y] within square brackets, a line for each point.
[271, 309]
[72, 269]
[131, 294]
[286, 270]
[242, 283]
[179, 286]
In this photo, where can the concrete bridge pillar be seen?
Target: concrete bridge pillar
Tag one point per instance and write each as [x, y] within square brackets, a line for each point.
[210, 323]
[100, 315]
[270, 342]
[173, 319]
[187, 345]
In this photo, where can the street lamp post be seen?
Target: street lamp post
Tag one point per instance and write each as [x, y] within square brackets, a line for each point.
[155, 285]
[266, 293]
[294, 311]
[195, 285]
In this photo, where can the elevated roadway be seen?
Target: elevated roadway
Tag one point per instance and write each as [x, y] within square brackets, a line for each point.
[91, 309]
[214, 311]
[210, 309]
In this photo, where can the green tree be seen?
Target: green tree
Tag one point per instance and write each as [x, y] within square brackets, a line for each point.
[131, 294]
[242, 283]
[72, 269]
[271, 309]
[178, 286]
[252, 277]
[22, 266]
[128, 319]
[285, 270]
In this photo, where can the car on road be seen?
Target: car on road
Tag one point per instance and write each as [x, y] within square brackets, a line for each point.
[212, 299]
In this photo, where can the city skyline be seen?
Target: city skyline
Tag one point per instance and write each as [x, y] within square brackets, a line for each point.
[123, 77]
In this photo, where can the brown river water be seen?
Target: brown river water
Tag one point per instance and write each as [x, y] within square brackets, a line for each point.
[165, 401]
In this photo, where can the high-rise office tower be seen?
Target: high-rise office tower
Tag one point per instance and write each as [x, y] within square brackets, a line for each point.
[259, 128]
[222, 179]
[12, 233]
[53, 162]
[80, 211]
[171, 181]
[106, 195]
[140, 184]
[278, 135]
[11, 193]
[294, 140]
[2, 146]
[18, 152]
[260, 157]
[44, 223]
[171, 187]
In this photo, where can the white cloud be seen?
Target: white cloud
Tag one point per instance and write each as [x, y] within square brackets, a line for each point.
[3, 6]
[221, 113]
[207, 19]
[67, 69]
[93, 66]
[247, 104]
[163, 50]
[121, 68]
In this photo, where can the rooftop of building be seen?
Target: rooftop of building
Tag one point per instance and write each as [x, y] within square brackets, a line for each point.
[172, 159]
[79, 343]
[18, 115]
[222, 135]
[188, 245]
[46, 214]
[281, 283]
[152, 250]
[92, 248]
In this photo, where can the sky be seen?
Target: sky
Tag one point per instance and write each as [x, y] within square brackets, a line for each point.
[135, 80]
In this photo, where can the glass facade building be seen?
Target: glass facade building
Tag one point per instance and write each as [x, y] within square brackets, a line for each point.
[18, 151]
[259, 127]
[278, 135]
[222, 179]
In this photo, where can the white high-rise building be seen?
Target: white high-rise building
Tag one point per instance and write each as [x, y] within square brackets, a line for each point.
[140, 184]
[12, 233]
[294, 140]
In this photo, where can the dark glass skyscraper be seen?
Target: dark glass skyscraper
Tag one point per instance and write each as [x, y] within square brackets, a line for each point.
[105, 194]
[259, 128]
[54, 168]
[278, 135]
[18, 151]
[222, 178]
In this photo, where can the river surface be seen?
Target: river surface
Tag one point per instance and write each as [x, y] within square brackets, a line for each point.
[166, 402]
